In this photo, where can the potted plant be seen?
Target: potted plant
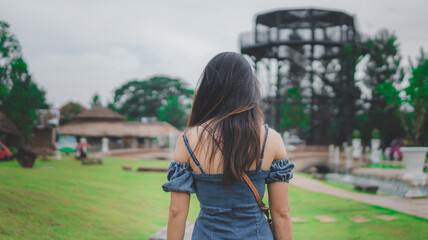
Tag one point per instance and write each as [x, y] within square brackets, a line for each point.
[412, 105]
[375, 141]
[356, 134]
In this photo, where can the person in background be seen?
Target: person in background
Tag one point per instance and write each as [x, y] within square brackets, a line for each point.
[395, 152]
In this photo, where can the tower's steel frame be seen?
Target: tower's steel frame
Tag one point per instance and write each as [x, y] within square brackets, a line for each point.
[322, 34]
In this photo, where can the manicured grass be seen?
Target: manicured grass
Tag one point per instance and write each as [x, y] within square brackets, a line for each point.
[72, 201]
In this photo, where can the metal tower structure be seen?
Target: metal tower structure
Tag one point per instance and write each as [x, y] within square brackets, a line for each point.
[302, 42]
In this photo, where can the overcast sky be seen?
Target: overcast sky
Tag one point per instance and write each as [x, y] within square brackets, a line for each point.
[76, 48]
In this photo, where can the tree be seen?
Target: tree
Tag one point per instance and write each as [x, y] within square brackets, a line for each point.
[383, 66]
[19, 95]
[346, 94]
[10, 49]
[69, 111]
[143, 98]
[413, 107]
[293, 111]
[384, 61]
[173, 112]
[23, 100]
[96, 101]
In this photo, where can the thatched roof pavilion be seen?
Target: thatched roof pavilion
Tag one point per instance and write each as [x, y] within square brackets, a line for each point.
[100, 113]
[104, 122]
[118, 129]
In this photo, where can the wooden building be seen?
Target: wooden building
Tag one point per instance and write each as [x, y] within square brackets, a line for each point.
[44, 133]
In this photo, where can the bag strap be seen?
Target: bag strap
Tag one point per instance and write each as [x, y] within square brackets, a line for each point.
[256, 195]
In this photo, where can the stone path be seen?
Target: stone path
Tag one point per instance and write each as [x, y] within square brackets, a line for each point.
[359, 219]
[387, 217]
[297, 219]
[416, 207]
[325, 219]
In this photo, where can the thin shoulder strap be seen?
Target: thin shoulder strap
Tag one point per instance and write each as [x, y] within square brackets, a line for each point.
[186, 142]
[264, 145]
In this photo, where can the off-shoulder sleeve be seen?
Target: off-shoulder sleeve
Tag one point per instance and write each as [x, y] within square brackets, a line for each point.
[180, 178]
[280, 171]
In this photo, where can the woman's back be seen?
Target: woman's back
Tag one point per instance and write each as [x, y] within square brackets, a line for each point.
[202, 150]
[227, 211]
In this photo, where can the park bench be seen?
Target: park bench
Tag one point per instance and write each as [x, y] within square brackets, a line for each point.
[152, 169]
[126, 167]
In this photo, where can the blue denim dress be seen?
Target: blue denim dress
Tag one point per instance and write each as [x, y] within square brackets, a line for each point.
[227, 212]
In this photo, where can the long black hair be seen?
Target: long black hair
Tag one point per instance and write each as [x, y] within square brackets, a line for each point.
[227, 101]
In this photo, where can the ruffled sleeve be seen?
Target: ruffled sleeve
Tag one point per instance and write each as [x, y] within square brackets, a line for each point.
[180, 178]
[280, 171]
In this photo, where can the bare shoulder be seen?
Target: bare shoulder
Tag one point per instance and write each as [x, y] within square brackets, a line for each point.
[181, 154]
[277, 144]
[274, 134]
[192, 132]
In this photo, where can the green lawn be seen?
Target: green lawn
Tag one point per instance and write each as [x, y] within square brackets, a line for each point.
[73, 201]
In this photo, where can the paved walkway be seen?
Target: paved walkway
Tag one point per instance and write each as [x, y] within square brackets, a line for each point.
[416, 207]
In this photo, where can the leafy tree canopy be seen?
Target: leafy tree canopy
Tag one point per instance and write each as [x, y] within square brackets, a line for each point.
[383, 66]
[173, 112]
[143, 98]
[96, 101]
[19, 95]
[384, 59]
[69, 111]
[293, 111]
[346, 93]
[10, 50]
[414, 105]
